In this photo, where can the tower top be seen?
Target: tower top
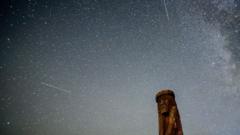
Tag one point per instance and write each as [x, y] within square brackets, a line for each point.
[164, 92]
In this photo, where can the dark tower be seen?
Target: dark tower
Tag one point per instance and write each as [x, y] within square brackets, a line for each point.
[168, 115]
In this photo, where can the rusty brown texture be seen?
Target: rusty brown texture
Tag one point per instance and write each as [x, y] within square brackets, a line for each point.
[168, 115]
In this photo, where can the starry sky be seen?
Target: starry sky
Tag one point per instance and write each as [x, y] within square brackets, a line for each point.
[93, 67]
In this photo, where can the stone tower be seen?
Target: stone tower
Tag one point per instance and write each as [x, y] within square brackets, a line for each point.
[168, 115]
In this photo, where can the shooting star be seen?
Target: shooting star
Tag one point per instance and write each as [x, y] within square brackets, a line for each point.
[166, 10]
[55, 87]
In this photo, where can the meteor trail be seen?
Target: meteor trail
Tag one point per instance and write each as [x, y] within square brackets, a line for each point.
[166, 10]
[55, 87]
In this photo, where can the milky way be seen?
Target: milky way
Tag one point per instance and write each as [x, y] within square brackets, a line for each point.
[83, 67]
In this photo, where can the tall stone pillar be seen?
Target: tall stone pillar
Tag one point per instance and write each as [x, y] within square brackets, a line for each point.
[168, 115]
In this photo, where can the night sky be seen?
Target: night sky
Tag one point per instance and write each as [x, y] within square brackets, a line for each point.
[93, 67]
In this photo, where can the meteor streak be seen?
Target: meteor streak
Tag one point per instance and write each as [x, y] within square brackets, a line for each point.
[55, 87]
